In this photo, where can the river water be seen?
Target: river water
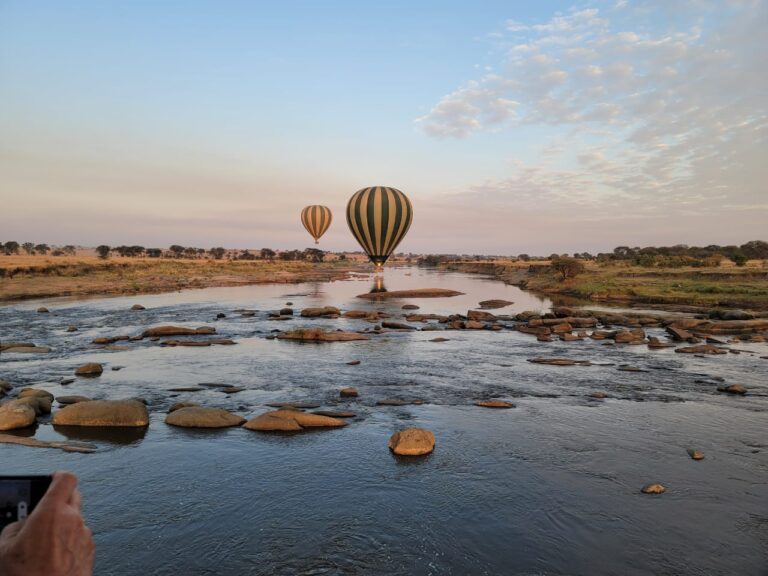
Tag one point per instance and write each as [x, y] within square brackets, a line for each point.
[549, 487]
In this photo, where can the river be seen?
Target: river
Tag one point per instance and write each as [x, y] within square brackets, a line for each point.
[551, 487]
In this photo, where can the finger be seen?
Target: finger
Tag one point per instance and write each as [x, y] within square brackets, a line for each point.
[11, 530]
[76, 500]
[60, 491]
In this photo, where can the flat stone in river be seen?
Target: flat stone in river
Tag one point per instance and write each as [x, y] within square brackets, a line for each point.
[416, 293]
[118, 413]
[200, 417]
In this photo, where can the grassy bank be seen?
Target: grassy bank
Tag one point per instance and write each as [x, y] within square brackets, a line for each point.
[23, 277]
[705, 287]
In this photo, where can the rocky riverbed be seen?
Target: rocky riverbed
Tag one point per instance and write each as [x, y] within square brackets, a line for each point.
[270, 412]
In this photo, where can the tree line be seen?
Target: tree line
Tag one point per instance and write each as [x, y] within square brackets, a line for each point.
[30, 248]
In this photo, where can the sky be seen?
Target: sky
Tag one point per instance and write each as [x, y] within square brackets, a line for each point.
[513, 127]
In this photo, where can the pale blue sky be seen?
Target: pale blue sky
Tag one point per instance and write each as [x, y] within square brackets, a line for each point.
[513, 126]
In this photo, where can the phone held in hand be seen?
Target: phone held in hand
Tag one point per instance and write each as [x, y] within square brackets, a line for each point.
[19, 495]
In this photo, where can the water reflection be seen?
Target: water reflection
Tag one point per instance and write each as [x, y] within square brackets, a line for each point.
[378, 285]
[117, 436]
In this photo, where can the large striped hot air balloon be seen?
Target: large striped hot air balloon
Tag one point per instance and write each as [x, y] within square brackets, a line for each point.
[379, 218]
[316, 220]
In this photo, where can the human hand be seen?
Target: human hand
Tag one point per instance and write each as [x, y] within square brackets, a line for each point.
[54, 540]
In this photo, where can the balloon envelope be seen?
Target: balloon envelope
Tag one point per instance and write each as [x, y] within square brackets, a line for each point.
[316, 220]
[379, 218]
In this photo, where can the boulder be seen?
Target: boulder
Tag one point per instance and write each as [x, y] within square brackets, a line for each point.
[71, 329]
[9, 344]
[598, 395]
[409, 307]
[319, 335]
[14, 415]
[629, 336]
[66, 400]
[695, 454]
[655, 343]
[220, 315]
[335, 413]
[353, 362]
[27, 350]
[42, 310]
[91, 369]
[494, 303]
[306, 420]
[562, 328]
[180, 405]
[474, 325]
[40, 404]
[137, 307]
[678, 333]
[653, 489]
[416, 293]
[733, 389]
[176, 331]
[397, 326]
[286, 312]
[702, 349]
[412, 442]
[568, 337]
[325, 311]
[118, 413]
[494, 404]
[348, 393]
[35, 393]
[440, 339]
[269, 423]
[480, 315]
[200, 417]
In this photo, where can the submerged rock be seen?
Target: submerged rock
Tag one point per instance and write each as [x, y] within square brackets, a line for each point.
[353, 362]
[200, 417]
[440, 339]
[348, 393]
[126, 413]
[409, 307]
[702, 349]
[42, 310]
[320, 335]
[66, 400]
[733, 389]
[412, 442]
[137, 307]
[335, 413]
[695, 454]
[492, 304]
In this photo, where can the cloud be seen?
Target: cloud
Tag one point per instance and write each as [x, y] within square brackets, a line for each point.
[663, 105]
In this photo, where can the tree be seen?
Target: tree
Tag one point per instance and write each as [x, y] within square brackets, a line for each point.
[29, 247]
[217, 253]
[739, 259]
[755, 249]
[246, 255]
[176, 250]
[103, 251]
[268, 254]
[42, 249]
[10, 248]
[524, 257]
[314, 255]
[154, 252]
[343, 256]
[69, 250]
[567, 267]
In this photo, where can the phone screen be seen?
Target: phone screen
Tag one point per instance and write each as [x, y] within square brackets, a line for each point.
[19, 495]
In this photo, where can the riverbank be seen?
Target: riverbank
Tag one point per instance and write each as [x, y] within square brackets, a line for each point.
[690, 289]
[23, 278]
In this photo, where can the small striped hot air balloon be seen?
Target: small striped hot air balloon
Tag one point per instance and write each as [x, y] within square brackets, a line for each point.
[379, 218]
[316, 220]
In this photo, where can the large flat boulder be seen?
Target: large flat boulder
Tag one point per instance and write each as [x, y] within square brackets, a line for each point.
[200, 417]
[14, 415]
[91, 369]
[176, 331]
[126, 413]
[320, 335]
[416, 293]
[412, 442]
[324, 312]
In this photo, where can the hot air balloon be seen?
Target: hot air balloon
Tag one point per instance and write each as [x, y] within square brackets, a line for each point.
[316, 220]
[379, 218]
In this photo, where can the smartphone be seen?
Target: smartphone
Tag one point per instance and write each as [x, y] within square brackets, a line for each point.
[19, 495]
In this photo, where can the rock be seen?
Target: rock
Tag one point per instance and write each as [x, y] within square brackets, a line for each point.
[42, 310]
[91, 370]
[121, 413]
[269, 423]
[308, 420]
[176, 331]
[598, 395]
[655, 343]
[474, 325]
[7, 345]
[353, 362]
[68, 381]
[35, 393]
[286, 312]
[417, 293]
[397, 326]
[653, 489]
[629, 336]
[325, 311]
[137, 307]
[563, 328]
[679, 333]
[27, 350]
[559, 361]
[732, 315]
[440, 339]
[568, 337]
[335, 413]
[296, 405]
[348, 393]
[200, 417]
[71, 329]
[695, 454]
[397, 402]
[220, 315]
[493, 304]
[248, 314]
[702, 349]
[232, 389]
[409, 307]
[66, 400]
[5, 386]
[494, 404]
[412, 442]
[756, 338]
[602, 334]
[14, 415]
[733, 389]
[711, 340]
[544, 338]
[320, 335]
[480, 315]
[625, 368]
[39, 404]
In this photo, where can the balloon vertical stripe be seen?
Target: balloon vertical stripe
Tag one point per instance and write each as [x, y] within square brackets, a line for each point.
[316, 219]
[379, 218]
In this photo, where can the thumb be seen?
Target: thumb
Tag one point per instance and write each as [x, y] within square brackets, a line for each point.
[11, 530]
[60, 491]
